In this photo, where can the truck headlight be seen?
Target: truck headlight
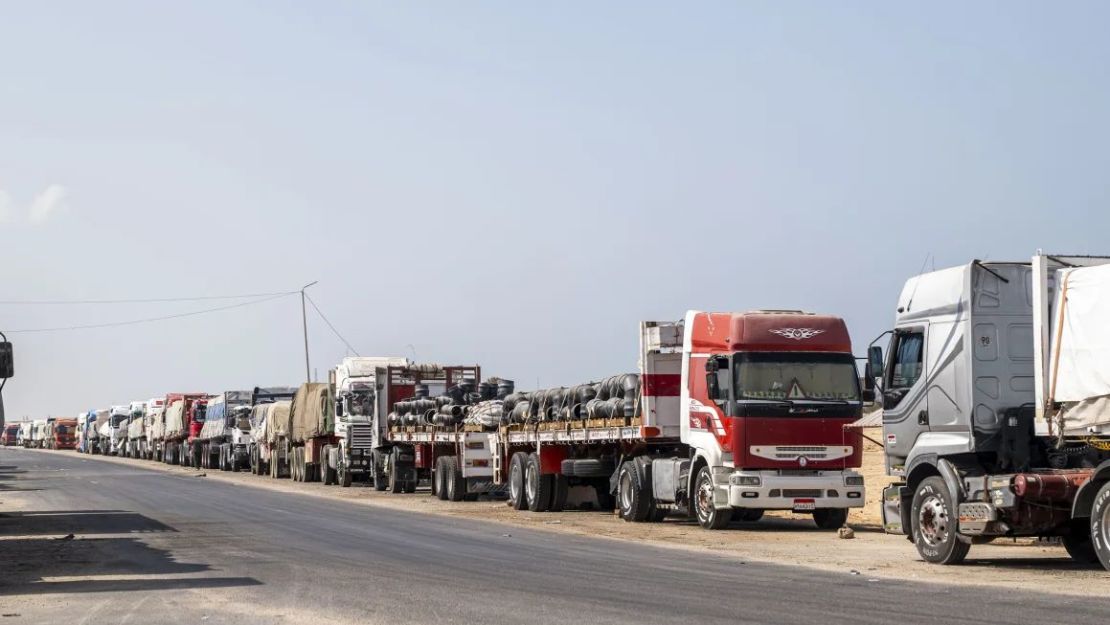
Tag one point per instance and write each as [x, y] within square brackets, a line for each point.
[745, 480]
[853, 480]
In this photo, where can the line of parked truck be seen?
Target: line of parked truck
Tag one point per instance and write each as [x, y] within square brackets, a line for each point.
[995, 391]
[49, 433]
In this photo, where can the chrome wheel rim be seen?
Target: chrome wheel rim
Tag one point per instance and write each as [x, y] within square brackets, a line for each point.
[626, 491]
[933, 521]
[530, 482]
[704, 502]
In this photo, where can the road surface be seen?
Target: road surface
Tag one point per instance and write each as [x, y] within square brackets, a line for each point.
[156, 547]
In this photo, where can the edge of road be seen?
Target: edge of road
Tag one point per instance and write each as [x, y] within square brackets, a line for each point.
[901, 571]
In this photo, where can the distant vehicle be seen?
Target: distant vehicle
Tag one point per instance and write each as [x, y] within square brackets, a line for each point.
[62, 434]
[39, 433]
[996, 406]
[180, 421]
[135, 437]
[10, 436]
[263, 418]
[153, 428]
[224, 441]
[25, 437]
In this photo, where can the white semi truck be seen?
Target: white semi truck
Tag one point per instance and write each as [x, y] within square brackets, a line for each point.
[996, 406]
[354, 387]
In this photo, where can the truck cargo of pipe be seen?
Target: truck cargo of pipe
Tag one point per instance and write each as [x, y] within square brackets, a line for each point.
[464, 403]
[614, 397]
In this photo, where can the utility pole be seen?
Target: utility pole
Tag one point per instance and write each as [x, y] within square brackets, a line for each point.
[304, 324]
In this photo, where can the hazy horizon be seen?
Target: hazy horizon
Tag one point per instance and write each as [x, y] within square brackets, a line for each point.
[512, 185]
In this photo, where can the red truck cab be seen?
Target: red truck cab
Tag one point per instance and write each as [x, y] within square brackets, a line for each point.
[766, 397]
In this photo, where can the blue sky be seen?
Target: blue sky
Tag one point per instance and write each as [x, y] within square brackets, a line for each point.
[515, 184]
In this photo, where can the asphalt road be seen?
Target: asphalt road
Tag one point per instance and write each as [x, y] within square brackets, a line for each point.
[153, 547]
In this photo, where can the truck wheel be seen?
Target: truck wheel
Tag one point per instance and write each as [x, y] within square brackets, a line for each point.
[934, 524]
[453, 480]
[709, 516]
[343, 475]
[829, 518]
[1078, 543]
[633, 492]
[517, 499]
[196, 456]
[326, 471]
[439, 479]
[559, 497]
[537, 486]
[1100, 525]
[395, 484]
[380, 481]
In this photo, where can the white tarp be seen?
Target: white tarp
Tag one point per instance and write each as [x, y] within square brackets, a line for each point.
[1081, 326]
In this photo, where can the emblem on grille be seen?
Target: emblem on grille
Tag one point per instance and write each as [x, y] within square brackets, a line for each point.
[797, 334]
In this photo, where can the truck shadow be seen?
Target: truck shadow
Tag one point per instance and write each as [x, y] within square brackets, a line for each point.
[75, 563]
[82, 522]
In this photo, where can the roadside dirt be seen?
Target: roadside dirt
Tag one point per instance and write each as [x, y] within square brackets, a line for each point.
[779, 538]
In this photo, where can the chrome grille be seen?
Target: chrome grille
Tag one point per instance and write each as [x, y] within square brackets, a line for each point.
[362, 436]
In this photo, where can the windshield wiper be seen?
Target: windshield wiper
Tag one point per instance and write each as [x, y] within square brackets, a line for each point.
[778, 402]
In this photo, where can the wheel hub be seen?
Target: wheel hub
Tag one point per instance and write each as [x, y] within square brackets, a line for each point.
[933, 520]
[704, 502]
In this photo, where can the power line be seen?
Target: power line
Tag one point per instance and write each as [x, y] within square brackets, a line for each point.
[148, 300]
[113, 324]
[321, 313]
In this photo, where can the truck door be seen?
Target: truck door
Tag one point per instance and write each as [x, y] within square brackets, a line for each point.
[905, 402]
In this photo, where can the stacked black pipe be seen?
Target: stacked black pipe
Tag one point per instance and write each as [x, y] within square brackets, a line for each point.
[613, 397]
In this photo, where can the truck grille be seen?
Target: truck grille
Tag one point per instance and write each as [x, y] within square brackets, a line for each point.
[809, 493]
[362, 436]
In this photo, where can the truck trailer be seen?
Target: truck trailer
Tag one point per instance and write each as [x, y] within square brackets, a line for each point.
[262, 415]
[297, 443]
[996, 407]
[10, 437]
[730, 414]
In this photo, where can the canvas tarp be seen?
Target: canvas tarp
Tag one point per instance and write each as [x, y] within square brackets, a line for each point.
[277, 421]
[174, 420]
[156, 427]
[1079, 365]
[311, 414]
[135, 428]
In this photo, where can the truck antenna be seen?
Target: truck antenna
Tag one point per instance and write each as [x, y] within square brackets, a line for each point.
[916, 282]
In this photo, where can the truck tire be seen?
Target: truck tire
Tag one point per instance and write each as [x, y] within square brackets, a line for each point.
[453, 479]
[327, 474]
[559, 497]
[633, 492]
[606, 502]
[517, 499]
[196, 456]
[343, 475]
[830, 518]
[537, 486]
[934, 525]
[380, 481]
[439, 479]
[587, 467]
[396, 486]
[1100, 525]
[1078, 543]
[709, 515]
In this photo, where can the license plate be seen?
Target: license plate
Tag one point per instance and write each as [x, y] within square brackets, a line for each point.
[804, 505]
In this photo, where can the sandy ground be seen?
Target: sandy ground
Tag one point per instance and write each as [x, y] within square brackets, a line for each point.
[780, 537]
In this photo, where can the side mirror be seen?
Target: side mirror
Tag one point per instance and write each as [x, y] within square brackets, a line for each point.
[868, 395]
[7, 361]
[874, 362]
[339, 407]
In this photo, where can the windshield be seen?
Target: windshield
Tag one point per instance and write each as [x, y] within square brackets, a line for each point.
[796, 376]
[361, 403]
[118, 419]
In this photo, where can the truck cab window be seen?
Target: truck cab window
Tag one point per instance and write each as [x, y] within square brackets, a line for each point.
[906, 366]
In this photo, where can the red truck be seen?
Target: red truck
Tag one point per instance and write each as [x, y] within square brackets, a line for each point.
[62, 434]
[10, 437]
[176, 425]
[730, 414]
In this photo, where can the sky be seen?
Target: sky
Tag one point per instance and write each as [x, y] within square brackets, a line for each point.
[513, 184]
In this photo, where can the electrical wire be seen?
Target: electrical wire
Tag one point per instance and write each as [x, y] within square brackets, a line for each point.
[113, 324]
[336, 332]
[67, 302]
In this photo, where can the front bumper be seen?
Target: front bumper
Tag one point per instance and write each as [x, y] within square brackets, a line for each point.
[802, 493]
